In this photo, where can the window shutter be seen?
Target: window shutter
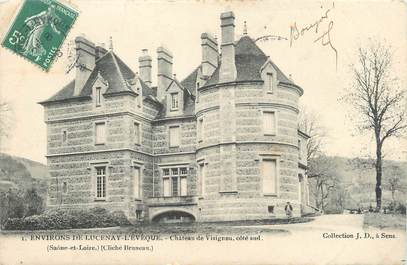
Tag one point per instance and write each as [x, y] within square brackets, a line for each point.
[174, 136]
[269, 176]
[269, 123]
[100, 133]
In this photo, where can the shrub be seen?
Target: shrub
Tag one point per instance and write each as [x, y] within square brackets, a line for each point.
[68, 219]
[120, 218]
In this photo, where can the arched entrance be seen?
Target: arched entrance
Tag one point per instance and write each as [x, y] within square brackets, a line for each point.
[173, 216]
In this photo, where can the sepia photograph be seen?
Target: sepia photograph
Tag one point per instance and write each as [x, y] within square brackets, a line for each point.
[203, 132]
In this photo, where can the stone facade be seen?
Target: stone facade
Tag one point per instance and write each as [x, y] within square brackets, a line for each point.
[221, 145]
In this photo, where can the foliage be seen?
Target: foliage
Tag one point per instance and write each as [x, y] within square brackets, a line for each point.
[68, 219]
[18, 204]
[396, 207]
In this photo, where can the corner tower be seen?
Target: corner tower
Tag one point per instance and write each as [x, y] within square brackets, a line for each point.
[247, 151]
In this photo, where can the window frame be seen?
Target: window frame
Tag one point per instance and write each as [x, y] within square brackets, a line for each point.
[103, 184]
[137, 138]
[270, 82]
[98, 97]
[174, 97]
[96, 134]
[174, 176]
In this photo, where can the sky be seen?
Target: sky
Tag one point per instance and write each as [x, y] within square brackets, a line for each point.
[323, 71]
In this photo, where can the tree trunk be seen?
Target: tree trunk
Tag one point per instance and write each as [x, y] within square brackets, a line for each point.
[378, 176]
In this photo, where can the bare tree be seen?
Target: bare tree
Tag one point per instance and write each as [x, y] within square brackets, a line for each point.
[310, 124]
[323, 178]
[378, 101]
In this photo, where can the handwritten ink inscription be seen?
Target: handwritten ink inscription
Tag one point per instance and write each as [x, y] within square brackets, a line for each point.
[324, 36]
[322, 27]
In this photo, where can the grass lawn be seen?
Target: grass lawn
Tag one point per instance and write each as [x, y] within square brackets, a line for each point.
[381, 221]
[233, 227]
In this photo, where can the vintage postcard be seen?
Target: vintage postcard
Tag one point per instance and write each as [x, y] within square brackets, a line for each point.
[203, 132]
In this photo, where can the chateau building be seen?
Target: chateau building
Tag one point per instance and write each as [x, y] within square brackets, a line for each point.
[222, 144]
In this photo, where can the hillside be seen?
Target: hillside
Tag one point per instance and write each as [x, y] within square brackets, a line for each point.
[357, 179]
[22, 173]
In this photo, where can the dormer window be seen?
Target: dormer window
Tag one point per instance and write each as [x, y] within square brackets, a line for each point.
[269, 82]
[174, 101]
[98, 96]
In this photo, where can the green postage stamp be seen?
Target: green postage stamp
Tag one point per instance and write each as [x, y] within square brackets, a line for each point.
[39, 30]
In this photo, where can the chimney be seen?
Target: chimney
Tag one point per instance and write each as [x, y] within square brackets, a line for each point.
[164, 71]
[209, 54]
[85, 54]
[145, 67]
[228, 68]
[100, 51]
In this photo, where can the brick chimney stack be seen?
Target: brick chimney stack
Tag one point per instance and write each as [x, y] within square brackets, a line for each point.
[228, 68]
[210, 54]
[164, 71]
[145, 67]
[85, 55]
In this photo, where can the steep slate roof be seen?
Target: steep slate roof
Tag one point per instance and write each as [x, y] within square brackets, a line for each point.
[190, 81]
[249, 59]
[113, 70]
[65, 93]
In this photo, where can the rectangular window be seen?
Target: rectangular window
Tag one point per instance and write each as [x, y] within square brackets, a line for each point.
[137, 133]
[174, 136]
[183, 181]
[174, 101]
[202, 178]
[174, 185]
[64, 136]
[269, 123]
[269, 82]
[100, 182]
[175, 182]
[200, 130]
[184, 186]
[98, 96]
[299, 150]
[269, 172]
[100, 134]
[166, 184]
[137, 183]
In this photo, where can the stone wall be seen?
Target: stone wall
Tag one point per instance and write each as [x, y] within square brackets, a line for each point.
[234, 145]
